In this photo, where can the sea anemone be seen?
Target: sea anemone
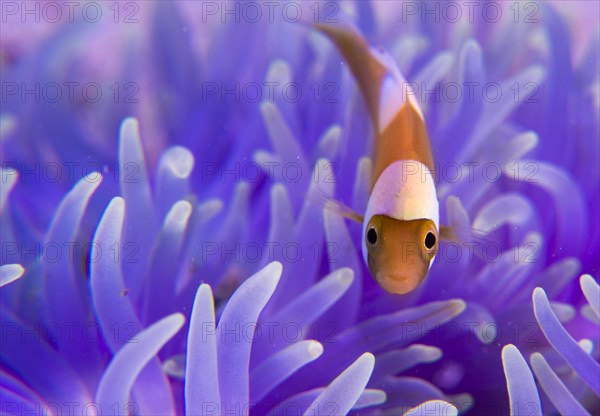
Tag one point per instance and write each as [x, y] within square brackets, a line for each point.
[166, 248]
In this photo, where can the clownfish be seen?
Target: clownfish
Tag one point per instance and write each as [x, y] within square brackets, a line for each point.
[400, 228]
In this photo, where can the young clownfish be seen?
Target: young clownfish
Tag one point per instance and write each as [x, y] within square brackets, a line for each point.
[400, 228]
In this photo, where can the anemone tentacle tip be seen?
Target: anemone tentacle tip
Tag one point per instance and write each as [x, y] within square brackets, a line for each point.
[180, 161]
[205, 287]
[117, 202]
[368, 358]
[130, 122]
[345, 276]
[538, 292]
[275, 268]
[315, 349]
[508, 349]
[457, 305]
[10, 272]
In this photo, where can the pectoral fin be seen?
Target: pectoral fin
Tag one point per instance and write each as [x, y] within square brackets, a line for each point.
[469, 239]
[345, 211]
[448, 233]
[339, 207]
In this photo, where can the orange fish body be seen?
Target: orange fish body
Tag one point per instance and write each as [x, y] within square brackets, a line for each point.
[401, 223]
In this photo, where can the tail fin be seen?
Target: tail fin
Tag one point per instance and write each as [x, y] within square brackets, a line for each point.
[368, 71]
[382, 86]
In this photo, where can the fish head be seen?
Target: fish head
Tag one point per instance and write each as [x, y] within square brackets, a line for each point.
[399, 253]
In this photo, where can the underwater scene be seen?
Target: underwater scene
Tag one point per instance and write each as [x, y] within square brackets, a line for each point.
[305, 207]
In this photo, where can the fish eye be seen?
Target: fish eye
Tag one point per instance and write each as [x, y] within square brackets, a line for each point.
[372, 236]
[429, 240]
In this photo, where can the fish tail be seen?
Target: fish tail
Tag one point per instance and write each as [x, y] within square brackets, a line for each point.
[383, 87]
[368, 71]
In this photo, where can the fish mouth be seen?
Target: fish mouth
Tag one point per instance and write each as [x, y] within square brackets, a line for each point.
[397, 284]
